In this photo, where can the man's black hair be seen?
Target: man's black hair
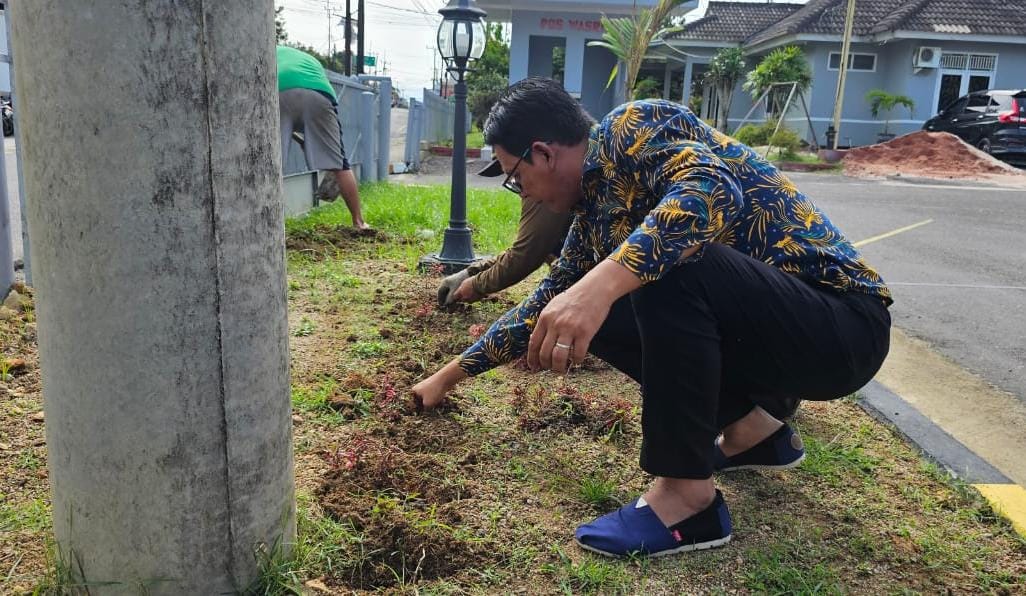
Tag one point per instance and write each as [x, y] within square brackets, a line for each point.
[536, 109]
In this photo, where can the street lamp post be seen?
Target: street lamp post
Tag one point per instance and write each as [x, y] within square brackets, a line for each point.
[461, 38]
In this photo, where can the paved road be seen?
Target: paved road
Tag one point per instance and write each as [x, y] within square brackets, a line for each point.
[958, 282]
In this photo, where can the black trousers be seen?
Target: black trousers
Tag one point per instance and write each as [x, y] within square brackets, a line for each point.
[718, 336]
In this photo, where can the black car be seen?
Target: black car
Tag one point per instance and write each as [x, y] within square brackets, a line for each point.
[993, 121]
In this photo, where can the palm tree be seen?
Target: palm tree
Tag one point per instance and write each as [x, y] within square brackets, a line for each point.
[628, 39]
[882, 101]
[726, 68]
[782, 65]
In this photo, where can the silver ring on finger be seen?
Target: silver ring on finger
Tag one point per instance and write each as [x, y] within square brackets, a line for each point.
[564, 346]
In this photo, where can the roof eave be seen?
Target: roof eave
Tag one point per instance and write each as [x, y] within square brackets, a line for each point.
[783, 40]
[932, 35]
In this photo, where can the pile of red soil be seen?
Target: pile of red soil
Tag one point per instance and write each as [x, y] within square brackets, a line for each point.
[928, 155]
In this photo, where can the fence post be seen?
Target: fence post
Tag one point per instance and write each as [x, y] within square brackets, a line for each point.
[384, 127]
[26, 254]
[368, 156]
[6, 248]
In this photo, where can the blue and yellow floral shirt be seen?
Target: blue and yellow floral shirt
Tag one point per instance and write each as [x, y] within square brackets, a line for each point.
[658, 181]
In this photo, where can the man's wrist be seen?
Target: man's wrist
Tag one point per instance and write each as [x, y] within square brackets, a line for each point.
[608, 281]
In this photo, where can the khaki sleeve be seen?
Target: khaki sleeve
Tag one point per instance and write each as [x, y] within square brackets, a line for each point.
[540, 237]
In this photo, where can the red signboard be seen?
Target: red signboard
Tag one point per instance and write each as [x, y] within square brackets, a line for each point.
[559, 24]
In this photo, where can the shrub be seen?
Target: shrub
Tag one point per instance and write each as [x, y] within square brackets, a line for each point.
[787, 141]
[754, 135]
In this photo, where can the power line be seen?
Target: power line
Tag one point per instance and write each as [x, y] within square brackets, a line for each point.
[410, 10]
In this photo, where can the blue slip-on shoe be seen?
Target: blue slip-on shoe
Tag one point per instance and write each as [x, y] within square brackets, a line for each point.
[779, 451]
[635, 529]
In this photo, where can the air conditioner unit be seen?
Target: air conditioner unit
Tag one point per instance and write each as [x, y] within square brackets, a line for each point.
[926, 57]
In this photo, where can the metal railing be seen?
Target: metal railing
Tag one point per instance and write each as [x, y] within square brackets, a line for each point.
[439, 118]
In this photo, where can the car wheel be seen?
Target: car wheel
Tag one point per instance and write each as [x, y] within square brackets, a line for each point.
[984, 145]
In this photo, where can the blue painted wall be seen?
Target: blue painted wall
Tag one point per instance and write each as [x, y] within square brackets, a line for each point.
[894, 73]
[535, 33]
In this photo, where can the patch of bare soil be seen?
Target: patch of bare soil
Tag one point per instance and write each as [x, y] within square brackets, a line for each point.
[23, 473]
[405, 503]
[317, 241]
[930, 155]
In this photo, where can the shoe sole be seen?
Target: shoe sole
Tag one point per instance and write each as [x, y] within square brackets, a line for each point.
[768, 467]
[683, 549]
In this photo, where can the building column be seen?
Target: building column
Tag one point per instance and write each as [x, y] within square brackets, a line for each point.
[573, 72]
[667, 76]
[154, 202]
[686, 95]
[519, 56]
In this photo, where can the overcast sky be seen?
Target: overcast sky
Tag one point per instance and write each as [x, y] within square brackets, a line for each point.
[400, 32]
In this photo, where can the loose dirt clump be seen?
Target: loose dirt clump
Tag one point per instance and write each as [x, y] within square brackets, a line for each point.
[538, 407]
[405, 506]
[323, 241]
[929, 155]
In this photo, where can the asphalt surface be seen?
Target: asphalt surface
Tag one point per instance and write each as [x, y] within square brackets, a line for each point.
[958, 282]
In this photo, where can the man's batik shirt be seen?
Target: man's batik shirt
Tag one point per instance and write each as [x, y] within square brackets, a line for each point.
[658, 181]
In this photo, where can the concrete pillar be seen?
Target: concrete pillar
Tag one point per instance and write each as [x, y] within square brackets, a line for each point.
[667, 76]
[686, 95]
[152, 172]
[384, 127]
[574, 65]
[368, 139]
[6, 250]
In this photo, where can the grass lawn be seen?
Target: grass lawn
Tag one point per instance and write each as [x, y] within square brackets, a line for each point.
[483, 496]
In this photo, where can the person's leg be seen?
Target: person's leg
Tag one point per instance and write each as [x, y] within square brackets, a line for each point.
[728, 316]
[351, 195]
[617, 341]
[324, 151]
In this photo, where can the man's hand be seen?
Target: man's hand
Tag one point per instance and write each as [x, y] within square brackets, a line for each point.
[568, 323]
[430, 392]
[450, 284]
[466, 292]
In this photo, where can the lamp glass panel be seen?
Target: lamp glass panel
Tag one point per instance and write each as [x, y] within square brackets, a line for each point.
[445, 39]
[477, 49]
[462, 45]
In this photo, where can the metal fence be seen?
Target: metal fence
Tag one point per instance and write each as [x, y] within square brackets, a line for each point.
[439, 118]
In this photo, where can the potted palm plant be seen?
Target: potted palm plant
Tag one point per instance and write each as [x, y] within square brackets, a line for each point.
[883, 102]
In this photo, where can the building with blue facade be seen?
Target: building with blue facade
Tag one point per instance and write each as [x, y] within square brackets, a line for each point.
[932, 51]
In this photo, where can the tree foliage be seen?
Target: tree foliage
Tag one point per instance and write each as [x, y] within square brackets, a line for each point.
[280, 35]
[489, 75]
[726, 69]
[881, 101]
[628, 39]
[782, 65]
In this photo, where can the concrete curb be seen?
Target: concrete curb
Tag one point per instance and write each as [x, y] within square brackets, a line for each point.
[1005, 497]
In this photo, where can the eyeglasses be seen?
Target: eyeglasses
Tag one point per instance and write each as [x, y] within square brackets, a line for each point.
[512, 183]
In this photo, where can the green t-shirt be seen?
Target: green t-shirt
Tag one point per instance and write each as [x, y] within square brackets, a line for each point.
[299, 70]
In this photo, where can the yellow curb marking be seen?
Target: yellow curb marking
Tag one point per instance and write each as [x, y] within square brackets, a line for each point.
[891, 233]
[1009, 500]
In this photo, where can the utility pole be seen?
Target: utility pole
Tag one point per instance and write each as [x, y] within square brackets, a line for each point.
[331, 52]
[349, 40]
[168, 424]
[361, 34]
[849, 23]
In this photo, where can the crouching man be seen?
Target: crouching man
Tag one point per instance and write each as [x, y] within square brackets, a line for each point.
[699, 269]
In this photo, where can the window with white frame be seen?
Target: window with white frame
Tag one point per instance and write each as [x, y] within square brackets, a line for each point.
[856, 62]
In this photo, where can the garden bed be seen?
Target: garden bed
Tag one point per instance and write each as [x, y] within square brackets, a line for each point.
[483, 495]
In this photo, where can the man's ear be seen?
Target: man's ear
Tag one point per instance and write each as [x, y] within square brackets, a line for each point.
[547, 152]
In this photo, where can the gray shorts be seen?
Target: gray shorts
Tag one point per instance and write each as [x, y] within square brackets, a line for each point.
[313, 114]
